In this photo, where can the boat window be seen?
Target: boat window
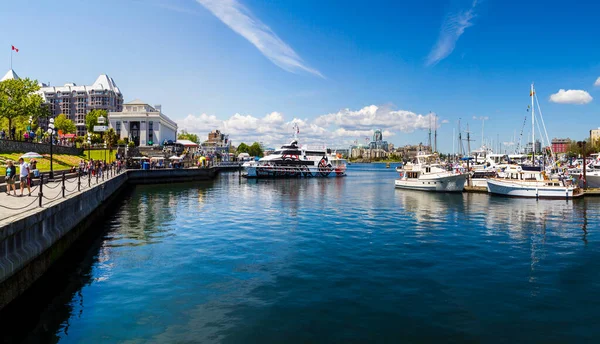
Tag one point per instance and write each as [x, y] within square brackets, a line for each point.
[314, 153]
[291, 152]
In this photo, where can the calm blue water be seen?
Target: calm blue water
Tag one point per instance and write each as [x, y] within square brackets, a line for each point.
[337, 260]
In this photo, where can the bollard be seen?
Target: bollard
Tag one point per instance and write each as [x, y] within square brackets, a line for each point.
[63, 186]
[41, 185]
[79, 181]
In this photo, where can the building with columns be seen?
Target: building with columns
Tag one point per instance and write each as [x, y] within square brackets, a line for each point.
[142, 124]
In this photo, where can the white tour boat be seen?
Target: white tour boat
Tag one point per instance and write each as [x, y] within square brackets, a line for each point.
[292, 161]
[429, 175]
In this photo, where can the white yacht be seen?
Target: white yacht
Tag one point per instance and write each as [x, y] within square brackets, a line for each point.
[516, 182]
[291, 161]
[429, 175]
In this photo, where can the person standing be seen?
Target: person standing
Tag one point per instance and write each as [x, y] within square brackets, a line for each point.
[24, 175]
[11, 176]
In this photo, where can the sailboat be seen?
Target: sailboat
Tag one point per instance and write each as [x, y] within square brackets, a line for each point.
[517, 182]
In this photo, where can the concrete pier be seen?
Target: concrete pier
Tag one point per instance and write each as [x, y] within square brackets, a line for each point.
[33, 238]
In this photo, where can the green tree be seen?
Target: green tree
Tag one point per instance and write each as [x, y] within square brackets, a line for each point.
[62, 123]
[18, 100]
[91, 119]
[184, 135]
[255, 150]
[243, 148]
[111, 138]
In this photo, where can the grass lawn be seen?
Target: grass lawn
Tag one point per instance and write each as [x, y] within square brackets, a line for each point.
[61, 161]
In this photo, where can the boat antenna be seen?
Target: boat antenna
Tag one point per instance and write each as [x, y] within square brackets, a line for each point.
[296, 131]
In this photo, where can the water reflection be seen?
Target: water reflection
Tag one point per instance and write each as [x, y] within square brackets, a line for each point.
[297, 260]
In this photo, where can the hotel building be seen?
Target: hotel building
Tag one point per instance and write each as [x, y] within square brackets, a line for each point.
[77, 101]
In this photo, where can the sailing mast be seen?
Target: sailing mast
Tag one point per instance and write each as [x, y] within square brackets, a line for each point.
[531, 93]
[429, 141]
[435, 133]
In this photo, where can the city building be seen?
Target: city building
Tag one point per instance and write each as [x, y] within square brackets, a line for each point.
[378, 142]
[77, 101]
[143, 124]
[594, 135]
[560, 145]
[538, 147]
[217, 143]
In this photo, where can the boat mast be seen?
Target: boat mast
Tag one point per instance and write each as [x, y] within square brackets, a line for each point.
[532, 126]
[435, 133]
[429, 143]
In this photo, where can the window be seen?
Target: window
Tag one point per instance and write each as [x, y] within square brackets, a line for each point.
[118, 124]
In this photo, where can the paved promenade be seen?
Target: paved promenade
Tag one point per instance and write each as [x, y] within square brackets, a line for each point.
[15, 207]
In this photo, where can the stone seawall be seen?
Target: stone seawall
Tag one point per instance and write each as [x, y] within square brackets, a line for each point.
[8, 146]
[31, 244]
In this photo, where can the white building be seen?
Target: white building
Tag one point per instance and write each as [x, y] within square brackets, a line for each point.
[143, 124]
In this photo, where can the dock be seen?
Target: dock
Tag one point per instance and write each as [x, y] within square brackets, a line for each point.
[475, 189]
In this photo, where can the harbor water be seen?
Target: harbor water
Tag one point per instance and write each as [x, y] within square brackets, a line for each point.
[346, 259]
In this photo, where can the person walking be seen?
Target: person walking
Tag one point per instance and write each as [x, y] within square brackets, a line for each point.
[11, 176]
[24, 170]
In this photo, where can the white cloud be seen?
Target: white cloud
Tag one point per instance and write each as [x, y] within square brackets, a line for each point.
[445, 121]
[373, 117]
[241, 20]
[597, 83]
[340, 128]
[571, 97]
[453, 27]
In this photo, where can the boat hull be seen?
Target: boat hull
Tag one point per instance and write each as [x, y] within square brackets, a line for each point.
[593, 179]
[531, 190]
[452, 183]
[258, 172]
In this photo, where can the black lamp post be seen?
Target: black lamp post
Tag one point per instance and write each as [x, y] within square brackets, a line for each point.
[51, 132]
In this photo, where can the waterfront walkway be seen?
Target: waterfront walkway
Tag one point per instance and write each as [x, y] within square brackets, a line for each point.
[50, 193]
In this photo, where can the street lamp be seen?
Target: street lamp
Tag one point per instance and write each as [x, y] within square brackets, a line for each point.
[51, 132]
[89, 142]
[30, 127]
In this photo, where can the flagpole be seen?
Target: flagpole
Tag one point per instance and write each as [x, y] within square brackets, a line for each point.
[11, 58]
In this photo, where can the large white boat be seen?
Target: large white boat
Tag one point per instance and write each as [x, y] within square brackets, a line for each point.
[429, 175]
[292, 161]
[515, 182]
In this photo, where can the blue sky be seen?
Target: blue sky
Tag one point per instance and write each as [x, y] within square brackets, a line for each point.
[338, 68]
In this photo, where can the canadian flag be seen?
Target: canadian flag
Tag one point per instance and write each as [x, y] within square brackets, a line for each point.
[15, 49]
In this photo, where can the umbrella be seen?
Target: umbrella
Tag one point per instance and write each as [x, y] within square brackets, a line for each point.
[31, 155]
[174, 157]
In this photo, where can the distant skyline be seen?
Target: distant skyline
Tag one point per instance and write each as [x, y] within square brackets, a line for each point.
[338, 69]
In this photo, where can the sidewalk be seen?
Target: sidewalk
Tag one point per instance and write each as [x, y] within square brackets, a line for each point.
[13, 206]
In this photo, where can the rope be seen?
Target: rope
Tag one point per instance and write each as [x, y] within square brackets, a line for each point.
[21, 208]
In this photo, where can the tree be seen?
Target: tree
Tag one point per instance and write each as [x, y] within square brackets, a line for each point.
[91, 119]
[111, 138]
[255, 149]
[62, 123]
[184, 135]
[17, 99]
[243, 148]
